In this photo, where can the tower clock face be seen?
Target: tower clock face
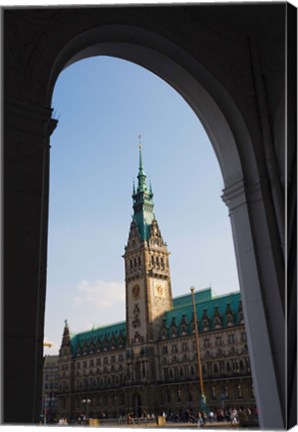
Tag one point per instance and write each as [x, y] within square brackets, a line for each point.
[136, 291]
[159, 289]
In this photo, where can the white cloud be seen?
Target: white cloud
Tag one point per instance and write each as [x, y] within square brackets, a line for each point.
[100, 294]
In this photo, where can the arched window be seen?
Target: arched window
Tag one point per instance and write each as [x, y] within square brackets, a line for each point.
[239, 392]
[178, 395]
[168, 396]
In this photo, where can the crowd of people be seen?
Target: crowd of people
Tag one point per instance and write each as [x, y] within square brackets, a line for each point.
[233, 416]
[229, 415]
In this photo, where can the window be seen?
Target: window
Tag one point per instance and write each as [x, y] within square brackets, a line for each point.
[168, 396]
[174, 348]
[184, 346]
[251, 391]
[231, 338]
[178, 395]
[218, 341]
[78, 365]
[84, 363]
[213, 393]
[235, 366]
[206, 343]
[166, 374]
[120, 357]
[165, 349]
[238, 392]
[91, 363]
[139, 261]
[98, 362]
[243, 337]
[113, 359]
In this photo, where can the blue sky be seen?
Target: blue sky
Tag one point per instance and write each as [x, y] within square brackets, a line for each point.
[103, 104]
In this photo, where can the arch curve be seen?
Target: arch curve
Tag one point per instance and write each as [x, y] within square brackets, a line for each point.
[175, 66]
[235, 118]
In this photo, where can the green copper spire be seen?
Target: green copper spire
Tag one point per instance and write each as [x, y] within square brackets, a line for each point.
[142, 187]
[142, 201]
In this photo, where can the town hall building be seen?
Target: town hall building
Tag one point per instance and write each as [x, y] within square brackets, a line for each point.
[148, 364]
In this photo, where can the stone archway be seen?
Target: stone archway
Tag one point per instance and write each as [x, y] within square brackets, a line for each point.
[233, 127]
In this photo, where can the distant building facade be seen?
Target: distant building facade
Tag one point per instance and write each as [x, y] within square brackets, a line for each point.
[148, 364]
[49, 388]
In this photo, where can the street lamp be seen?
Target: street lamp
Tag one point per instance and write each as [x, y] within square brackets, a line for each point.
[203, 397]
[86, 402]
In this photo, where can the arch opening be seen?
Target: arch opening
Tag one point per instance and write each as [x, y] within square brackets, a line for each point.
[227, 132]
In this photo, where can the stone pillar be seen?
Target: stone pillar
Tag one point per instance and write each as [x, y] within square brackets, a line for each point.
[27, 129]
[261, 298]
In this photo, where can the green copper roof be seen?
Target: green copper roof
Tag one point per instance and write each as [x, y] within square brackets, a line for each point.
[186, 300]
[185, 311]
[98, 336]
[143, 215]
[114, 336]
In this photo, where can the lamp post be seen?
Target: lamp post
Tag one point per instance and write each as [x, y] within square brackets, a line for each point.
[203, 397]
[86, 402]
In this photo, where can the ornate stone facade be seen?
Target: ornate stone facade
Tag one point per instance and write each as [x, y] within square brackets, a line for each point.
[148, 364]
[49, 388]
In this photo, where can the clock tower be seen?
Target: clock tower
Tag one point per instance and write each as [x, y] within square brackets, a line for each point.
[147, 272]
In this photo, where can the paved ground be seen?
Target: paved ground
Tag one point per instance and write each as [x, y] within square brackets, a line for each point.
[170, 425]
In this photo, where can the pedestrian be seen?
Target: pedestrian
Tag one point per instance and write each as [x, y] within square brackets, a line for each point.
[200, 420]
[234, 417]
[211, 415]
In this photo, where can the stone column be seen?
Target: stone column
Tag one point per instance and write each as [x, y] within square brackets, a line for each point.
[27, 128]
[261, 298]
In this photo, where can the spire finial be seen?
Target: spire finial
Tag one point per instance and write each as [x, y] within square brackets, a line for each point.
[140, 151]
